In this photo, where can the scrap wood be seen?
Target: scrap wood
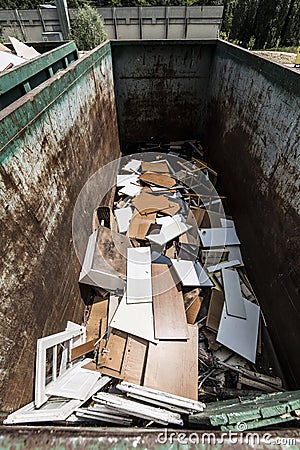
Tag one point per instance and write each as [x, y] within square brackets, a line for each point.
[215, 310]
[147, 203]
[168, 364]
[161, 180]
[168, 307]
[159, 167]
[140, 224]
[211, 339]
[193, 310]
[83, 349]
[96, 325]
[190, 296]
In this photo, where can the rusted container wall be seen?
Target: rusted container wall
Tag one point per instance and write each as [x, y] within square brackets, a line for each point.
[161, 88]
[52, 140]
[253, 139]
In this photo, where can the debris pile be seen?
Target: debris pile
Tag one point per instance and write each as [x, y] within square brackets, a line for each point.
[174, 328]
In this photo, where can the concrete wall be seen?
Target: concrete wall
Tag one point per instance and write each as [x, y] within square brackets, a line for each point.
[170, 22]
[51, 141]
[253, 139]
[161, 88]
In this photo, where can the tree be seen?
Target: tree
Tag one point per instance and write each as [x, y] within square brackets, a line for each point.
[87, 28]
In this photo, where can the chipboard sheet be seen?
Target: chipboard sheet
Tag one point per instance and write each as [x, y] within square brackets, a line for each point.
[233, 294]
[139, 286]
[169, 232]
[218, 237]
[240, 335]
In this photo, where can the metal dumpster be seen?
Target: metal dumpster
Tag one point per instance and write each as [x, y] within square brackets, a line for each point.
[245, 110]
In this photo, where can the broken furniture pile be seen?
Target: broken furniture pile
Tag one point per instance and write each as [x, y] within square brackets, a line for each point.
[9, 60]
[174, 320]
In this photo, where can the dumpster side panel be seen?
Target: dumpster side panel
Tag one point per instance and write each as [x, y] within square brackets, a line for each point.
[161, 89]
[253, 139]
[52, 141]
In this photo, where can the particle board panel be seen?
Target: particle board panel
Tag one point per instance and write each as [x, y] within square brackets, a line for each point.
[135, 318]
[168, 306]
[125, 180]
[140, 224]
[132, 166]
[190, 273]
[223, 265]
[169, 232]
[160, 180]
[240, 335]
[215, 310]
[172, 366]
[147, 203]
[157, 167]
[98, 313]
[83, 349]
[116, 347]
[139, 287]
[134, 360]
[193, 310]
[233, 294]
[198, 215]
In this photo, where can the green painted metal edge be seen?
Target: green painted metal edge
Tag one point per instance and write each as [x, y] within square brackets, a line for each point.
[20, 114]
[32, 67]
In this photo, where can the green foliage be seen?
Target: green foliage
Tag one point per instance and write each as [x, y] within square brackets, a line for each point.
[87, 28]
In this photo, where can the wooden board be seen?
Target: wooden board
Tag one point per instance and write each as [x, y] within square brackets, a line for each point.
[172, 366]
[215, 310]
[134, 360]
[140, 224]
[116, 346]
[98, 314]
[83, 349]
[161, 180]
[198, 215]
[158, 167]
[147, 203]
[168, 306]
[193, 310]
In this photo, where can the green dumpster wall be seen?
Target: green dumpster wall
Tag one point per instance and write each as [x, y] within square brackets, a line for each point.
[51, 141]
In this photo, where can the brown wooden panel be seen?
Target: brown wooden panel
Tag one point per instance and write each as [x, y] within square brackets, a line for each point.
[83, 349]
[134, 359]
[215, 310]
[168, 306]
[147, 203]
[139, 225]
[159, 167]
[98, 313]
[116, 345]
[172, 366]
[161, 180]
[193, 310]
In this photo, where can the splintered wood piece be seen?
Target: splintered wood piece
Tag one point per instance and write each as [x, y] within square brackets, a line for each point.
[147, 203]
[134, 359]
[168, 306]
[215, 310]
[116, 347]
[161, 180]
[140, 224]
[211, 339]
[172, 366]
[83, 349]
[193, 310]
[158, 167]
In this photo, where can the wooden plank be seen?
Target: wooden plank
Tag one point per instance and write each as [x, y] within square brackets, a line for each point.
[158, 167]
[98, 312]
[140, 224]
[168, 306]
[193, 310]
[161, 180]
[147, 203]
[116, 347]
[172, 366]
[215, 310]
[83, 349]
[134, 360]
